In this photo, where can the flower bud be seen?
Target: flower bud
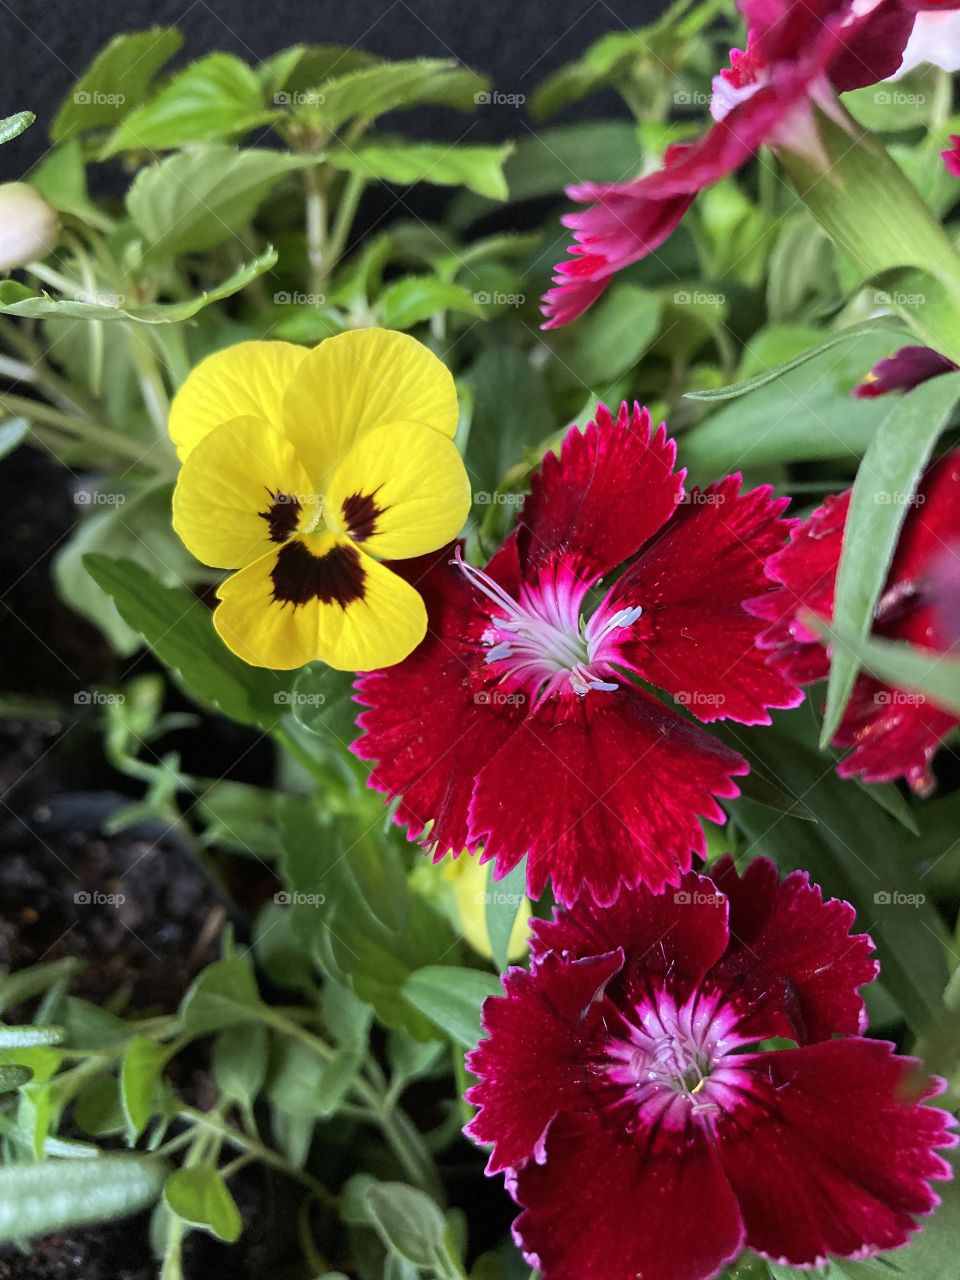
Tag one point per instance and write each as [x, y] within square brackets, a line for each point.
[28, 225]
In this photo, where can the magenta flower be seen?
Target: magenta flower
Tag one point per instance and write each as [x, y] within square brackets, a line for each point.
[951, 157]
[519, 724]
[902, 371]
[893, 734]
[639, 1126]
[799, 53]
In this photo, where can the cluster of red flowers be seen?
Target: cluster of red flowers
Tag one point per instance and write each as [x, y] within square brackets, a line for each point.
[543, 718]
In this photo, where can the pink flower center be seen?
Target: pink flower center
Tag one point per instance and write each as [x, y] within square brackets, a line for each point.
[738, 82]
[674, 1061]
[539, 643]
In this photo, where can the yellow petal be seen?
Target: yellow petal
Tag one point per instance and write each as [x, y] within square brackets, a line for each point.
[355, 614]
[357, 381]
[241, 491]
[246, 380]
[401, 491]
[468, 877]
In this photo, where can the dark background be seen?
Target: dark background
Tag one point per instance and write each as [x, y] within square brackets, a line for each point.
[46, 44]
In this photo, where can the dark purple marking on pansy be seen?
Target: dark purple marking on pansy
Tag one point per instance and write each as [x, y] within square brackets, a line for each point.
[282, 515]
[360, 515]
[336, 577]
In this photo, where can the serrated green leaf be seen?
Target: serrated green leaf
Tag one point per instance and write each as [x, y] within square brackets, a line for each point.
[215, 97]
[882, 495]
[479, 169]
[373, 91]
[194, 201]
[40, 1198]
[201, 1198]
[179, 629]
[18, 300]
[452, 999]
[116, 82]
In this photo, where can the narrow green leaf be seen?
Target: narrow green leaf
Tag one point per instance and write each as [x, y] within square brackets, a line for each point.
[29, 1037]
[17, 300]
[12, 126]
[201, 1198]
[737, 389]
[36, 1199]
[117, 81]
[452, 998]
[15, 988]
[503, 902]
[882, 494]
[180, 632]
[919, 672]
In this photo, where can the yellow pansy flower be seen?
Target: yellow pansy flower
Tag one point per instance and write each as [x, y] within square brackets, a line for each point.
[304, 471]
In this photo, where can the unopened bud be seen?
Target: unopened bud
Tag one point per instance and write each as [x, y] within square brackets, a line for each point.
[28, 225]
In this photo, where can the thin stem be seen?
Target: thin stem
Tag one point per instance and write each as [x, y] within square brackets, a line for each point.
[258, 1150]
[346, 211]
[316, 213]
[151, 382]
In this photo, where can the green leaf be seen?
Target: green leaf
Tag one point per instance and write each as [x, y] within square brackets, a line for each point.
[201, 1198]
[377, 962]
[803, 412]
[883, 492]
[408, 1221]
[16, 988]
[612, 338]
[295, 71]
[97, 1108]
[240, 1061]
[140, 1071]
[192, 202]
[12, 1077]
[12, 126]
[504, 899]
[18, 300]
[37, 1199]
[408, 302]
[179, 630]
[29, 1037]
[116, 82]
[452, 999]
[224, 994]
[512, 413]
[854, 852]
[479, 169]
[13, 432]
[737, 389]
[215, 97]
[136, 526]
[375, 90]
[922, 673]
[61, 178]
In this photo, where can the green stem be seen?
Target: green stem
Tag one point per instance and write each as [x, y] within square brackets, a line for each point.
[316, 228]
[35, 411]
[346, 211]
[151, 381]
[258, 1150]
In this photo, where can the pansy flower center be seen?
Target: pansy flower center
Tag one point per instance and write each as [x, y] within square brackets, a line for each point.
[674, 1061]
[540, 642]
